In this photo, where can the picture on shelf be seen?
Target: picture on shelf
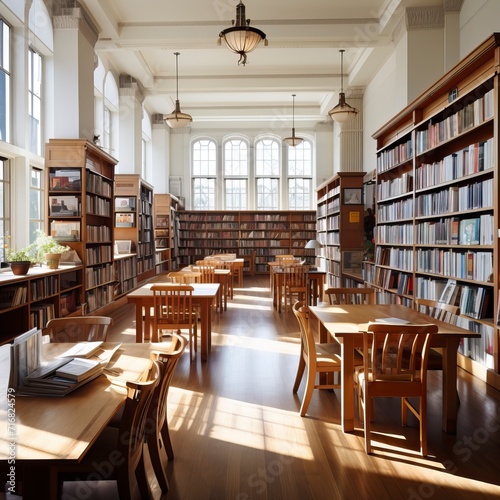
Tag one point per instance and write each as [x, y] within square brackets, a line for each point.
[469, 232]
[64, 206]
[353, 196]
[124, 220]
[124, 204]
[161, 233]
[352, 261]
[161, 222]
[123, 246]
[65, 231]
[65, 180]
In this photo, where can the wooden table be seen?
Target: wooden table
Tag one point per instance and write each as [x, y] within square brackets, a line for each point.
[222, 276]
[45, 429]
[315, 278]
[345, 324]
[203, 295]
[236, 265]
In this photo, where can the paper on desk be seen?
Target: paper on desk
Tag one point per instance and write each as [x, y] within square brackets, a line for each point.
[392, 320]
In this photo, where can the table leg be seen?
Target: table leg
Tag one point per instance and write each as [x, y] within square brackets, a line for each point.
[138, 323]
[450, 397]
[347, 387]
[206, 328]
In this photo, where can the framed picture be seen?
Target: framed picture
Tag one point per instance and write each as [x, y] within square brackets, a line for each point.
[124, 204]
[124, 220]
[353, 196]
[352, 261]
[61, 206]
[64, 180]
[123, 246]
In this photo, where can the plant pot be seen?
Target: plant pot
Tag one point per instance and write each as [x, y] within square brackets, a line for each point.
[52, 260]
[21, 267]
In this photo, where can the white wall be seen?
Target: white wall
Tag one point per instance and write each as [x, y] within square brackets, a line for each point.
[478, 20]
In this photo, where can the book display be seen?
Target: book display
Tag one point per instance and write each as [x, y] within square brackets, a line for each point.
[267, 234]
[133, 210]
[80, 214]
[437, 202]
[340, 223]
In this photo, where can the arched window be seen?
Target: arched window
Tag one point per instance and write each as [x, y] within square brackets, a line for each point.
[299, 174]
[236, 174]
[267, 174]
[204, 174]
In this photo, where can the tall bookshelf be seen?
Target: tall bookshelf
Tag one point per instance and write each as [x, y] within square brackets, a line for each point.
[437, 202]
[340, 216]
[81, 175]
[243, 232]
[166, 207]
[133, 211]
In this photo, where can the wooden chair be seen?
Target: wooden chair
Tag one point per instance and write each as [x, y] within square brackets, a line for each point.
[184, 277]
[338, 296]
[78, 328]
[316, 358]
[173, 310]
[125, 442]
[295, 284]
[436, 309]
[207, 273]
[157, 436]
[390, 370]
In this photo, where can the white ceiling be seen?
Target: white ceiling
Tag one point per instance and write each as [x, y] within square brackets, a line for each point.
[140, 37]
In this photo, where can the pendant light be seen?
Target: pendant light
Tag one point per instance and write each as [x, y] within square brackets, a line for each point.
[241, 38]
[342, 112]
[293, 141]
[177, 119]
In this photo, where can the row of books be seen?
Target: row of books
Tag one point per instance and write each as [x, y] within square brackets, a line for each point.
[392, 157]
[476, 195]
[400, 209]
[44, 287]
[398, 258]
[99, 185]
[40, 314]
[97, 205]
[98, 255]
[477, 157]
[99, 297]
[96, 276]
[12, 296]
[394, 233]
[395, 187]
[98, 234]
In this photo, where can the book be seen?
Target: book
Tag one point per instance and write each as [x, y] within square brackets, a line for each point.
[79, 369]
[469, 232]
[83, 349]
[450, 292]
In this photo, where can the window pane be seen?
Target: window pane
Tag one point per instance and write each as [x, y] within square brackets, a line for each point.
[267, 158]
[4, 207]
[4, 82]
[300, 160]
[204, 158]
[299, 194]
[235, 158]
[236, 194]
[267, 194]
[36, 203]
[203, 194]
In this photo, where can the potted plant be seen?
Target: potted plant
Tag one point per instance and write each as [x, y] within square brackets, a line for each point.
[19, 260]
[49, 250]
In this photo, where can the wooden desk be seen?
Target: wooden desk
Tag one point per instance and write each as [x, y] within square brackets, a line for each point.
[46, 429]
[236, 266]
[345, 324]
[222, 276]
[315, 278]
[203, 295]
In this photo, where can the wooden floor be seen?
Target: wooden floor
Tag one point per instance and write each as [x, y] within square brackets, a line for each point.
[237, 433]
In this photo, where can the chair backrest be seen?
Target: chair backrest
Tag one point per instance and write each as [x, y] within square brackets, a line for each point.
[78, 328]
[397, 353]
[184, 277]
[167, 363]
[436, 309]
[132, 429]
[342, 296]
[306, 336]
[207, 273]
[172, 304]
[295, 276]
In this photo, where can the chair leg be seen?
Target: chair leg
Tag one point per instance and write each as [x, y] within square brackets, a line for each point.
[307, 393]
[167, 442]
[300, 373]
[158, 457]
[423, 425]
[367, 418]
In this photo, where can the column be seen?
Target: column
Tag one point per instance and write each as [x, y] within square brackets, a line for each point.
[161, 153]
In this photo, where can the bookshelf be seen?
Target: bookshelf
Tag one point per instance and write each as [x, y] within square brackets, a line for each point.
[166, 207]
[30, 301]
[268, 234]
[437, 202]
[133, 220]
[340, 217]
[81, 175]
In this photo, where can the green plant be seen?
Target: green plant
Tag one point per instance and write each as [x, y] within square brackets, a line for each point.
[22, 255]
[46, 244]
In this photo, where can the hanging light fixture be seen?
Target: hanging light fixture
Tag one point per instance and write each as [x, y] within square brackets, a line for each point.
[342, 112]
[177, 119]
[241, 38]
[293, 141]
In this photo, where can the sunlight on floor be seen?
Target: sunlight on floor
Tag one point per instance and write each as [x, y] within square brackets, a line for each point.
[285, 345]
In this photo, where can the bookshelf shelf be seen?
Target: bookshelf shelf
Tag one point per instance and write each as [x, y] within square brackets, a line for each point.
[436, 202]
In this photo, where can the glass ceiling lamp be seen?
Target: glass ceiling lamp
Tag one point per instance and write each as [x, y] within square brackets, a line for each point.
[313, 244]
[342, 112]
[241, 38]
[293, 141]
[177, 119]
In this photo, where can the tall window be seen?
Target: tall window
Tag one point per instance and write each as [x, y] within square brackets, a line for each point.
[35, 100]
[106, 130]
[267, 172]
[36, 202]
[4, 206]
[299, 173]
[235, 174]
[204, 174]
[4, 82]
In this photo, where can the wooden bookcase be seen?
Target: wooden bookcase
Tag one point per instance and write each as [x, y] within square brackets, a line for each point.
[81, 175]
[243, 232]
[133, 219]
[340, 217]
[166, 207]
[30, 301]
[437, 177]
